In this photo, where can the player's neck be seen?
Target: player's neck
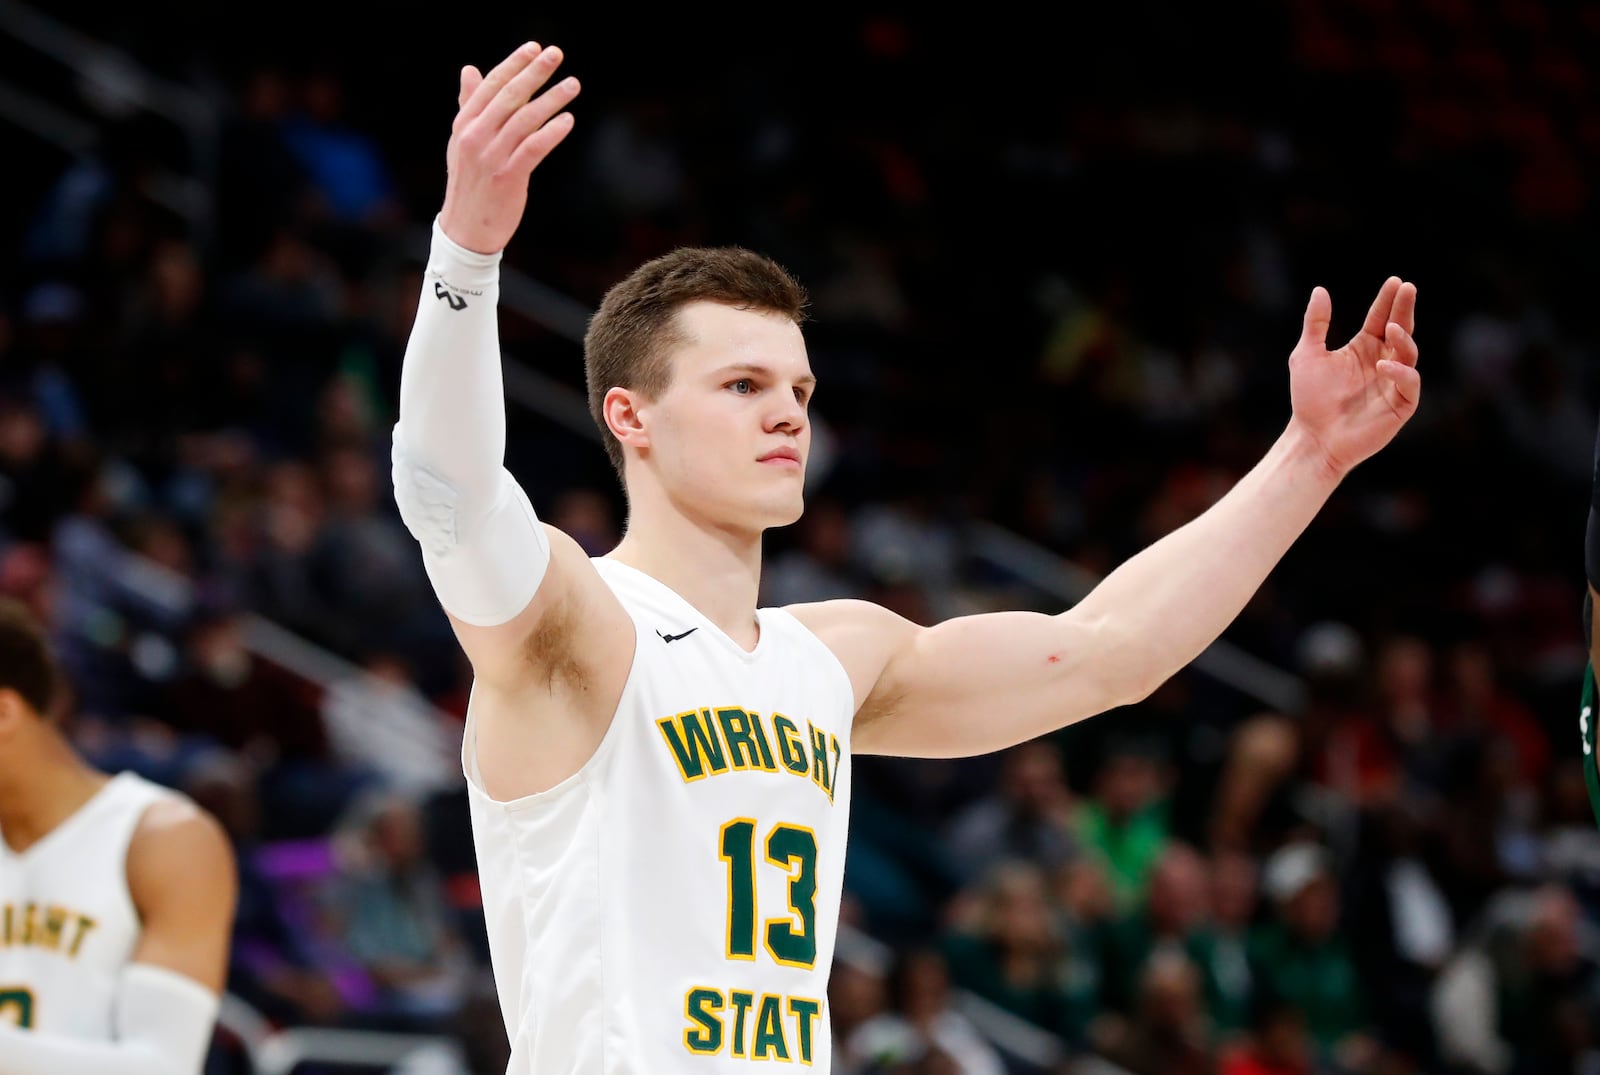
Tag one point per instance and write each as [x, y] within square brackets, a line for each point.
[49, 787]
[716, 571]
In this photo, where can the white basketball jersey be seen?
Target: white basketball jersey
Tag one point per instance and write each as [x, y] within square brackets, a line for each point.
[672, 906]
[67, 922]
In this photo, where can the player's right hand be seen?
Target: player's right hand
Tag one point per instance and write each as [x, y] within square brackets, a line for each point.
[499, 137]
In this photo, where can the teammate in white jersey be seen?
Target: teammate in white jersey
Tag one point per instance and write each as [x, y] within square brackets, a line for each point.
[660, 771]
[116, 897]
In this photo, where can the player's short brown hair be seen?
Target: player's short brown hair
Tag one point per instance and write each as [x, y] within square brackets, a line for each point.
[27, 663]
[634, 330]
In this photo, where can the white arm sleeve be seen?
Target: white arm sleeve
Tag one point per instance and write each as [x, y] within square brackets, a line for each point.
[482, 544]
[163, 1025]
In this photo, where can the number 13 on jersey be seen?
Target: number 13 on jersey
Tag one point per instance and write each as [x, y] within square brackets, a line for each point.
[794, 850]
[768, 1026]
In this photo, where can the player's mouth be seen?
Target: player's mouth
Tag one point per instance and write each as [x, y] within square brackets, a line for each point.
[781, 457]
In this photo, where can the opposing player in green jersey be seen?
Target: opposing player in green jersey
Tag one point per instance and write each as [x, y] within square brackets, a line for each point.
[1586, 707]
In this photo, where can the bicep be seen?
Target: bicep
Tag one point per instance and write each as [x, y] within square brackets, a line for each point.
[184, 884]
[572, 606]
[976, 684]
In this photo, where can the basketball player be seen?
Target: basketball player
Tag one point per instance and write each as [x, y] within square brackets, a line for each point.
[1591, 619]
[116, 898]
[659, 770]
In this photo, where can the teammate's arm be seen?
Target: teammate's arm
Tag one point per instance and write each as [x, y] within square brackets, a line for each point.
[183, 881]
[980, 683]
[530, 611]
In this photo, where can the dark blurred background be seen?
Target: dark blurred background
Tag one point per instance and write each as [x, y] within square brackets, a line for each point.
[1058, 261]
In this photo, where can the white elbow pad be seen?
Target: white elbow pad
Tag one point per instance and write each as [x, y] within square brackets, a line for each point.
[168, 1015]
[485, 563]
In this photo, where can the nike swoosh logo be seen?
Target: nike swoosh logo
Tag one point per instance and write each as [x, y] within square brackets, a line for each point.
[674, 638]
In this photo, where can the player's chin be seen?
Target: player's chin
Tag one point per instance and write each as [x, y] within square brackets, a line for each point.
[784, 510]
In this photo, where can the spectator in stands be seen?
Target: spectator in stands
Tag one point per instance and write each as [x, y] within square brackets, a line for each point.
[1011, 953]
[1225, 964]
[1301, 957]
[1124, 825]
[396, 920]
[1172, 918]
[1028, 816]
[922, 1023]
[1547, 997]
[858, 991]
[229, 695]
[1277, 1045]
[1168, 1032]
[272, 967]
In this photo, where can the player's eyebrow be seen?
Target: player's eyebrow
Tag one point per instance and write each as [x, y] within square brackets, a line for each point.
[763, 371]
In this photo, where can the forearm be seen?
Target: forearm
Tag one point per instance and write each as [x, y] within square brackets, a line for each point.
[24, 1052]
[482, 545]
[452, 395]
[163, 1026]
[1164, 606]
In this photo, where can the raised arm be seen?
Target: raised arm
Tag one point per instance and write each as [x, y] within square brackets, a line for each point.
[183, 881]
[980, 683]
[498, 571]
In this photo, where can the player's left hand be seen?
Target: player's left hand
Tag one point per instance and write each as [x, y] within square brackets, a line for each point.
[1353, 401]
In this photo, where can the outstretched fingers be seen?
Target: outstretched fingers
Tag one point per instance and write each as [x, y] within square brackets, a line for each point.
[1404, 313]
[1382, 311]
[514, 96]
[471, 78]
[497, 79]
[536, 146]
[531, 119]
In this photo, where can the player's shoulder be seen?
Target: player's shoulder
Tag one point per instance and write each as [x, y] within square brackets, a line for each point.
[863, 637]
[174, 829]
[862, 620]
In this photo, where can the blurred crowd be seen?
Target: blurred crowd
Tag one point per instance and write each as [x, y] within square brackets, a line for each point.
[1055, 277]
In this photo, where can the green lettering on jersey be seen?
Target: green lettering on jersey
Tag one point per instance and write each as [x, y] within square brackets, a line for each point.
[747, 744]
[790, 942]
[742, 1003]
[700, 1006]
[769, 1030]
[820, 774]
[692, 737]
[806, 1012]
[791, 748]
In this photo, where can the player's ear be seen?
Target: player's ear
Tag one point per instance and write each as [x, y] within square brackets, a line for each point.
[13, 713]
[623, 411]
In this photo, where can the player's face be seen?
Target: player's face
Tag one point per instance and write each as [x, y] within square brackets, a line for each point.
[729, 438]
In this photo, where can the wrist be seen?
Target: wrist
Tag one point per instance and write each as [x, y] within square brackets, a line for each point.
[458, 265]
[1303, 450]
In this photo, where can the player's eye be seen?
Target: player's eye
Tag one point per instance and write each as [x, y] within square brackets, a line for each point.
[801, 396]
[743, 386]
